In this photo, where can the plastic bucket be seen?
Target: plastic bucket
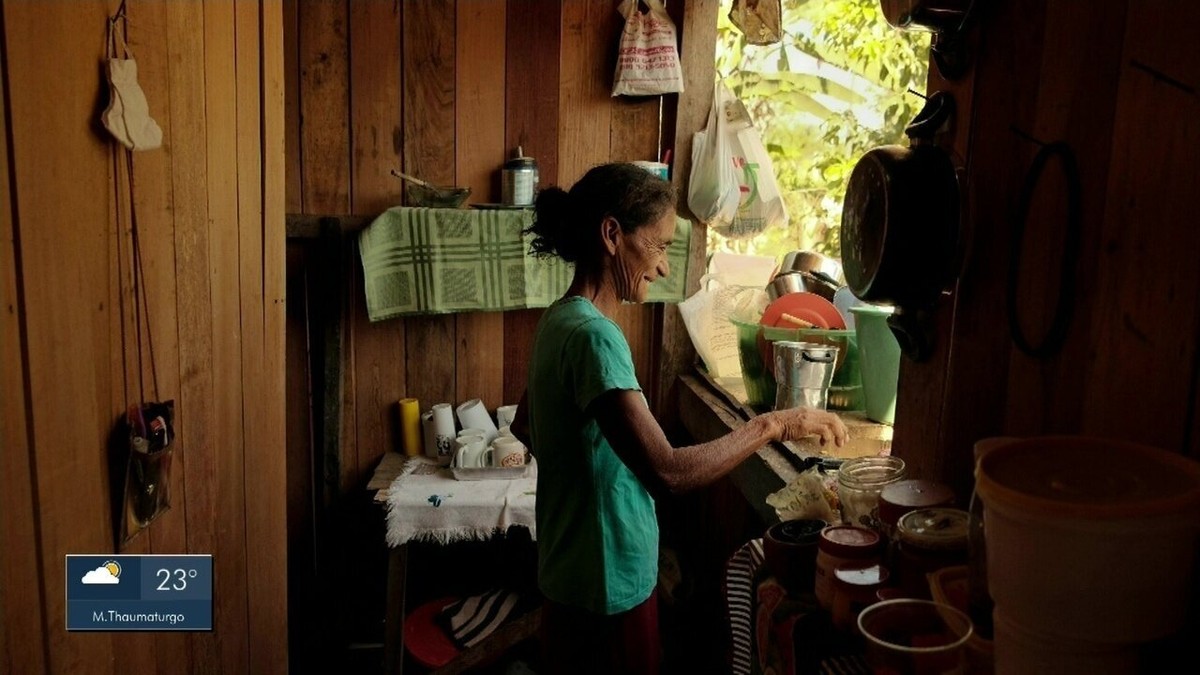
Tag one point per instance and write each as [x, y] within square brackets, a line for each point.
[1020, 650]
[846, 390]
[1088, 539]
[880, 355]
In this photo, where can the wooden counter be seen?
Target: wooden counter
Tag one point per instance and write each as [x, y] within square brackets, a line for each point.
[708, 412]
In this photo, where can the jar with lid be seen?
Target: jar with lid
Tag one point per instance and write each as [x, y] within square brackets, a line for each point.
[519, 180]
[904, 496]
[854, 589]
[929, 539]
[843, 546]
[860, 482]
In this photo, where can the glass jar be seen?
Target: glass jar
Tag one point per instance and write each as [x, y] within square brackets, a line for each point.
[929, 539]
[860, 481]
[842, 546]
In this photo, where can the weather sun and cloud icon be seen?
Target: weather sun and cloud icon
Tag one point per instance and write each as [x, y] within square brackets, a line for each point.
[108, 573]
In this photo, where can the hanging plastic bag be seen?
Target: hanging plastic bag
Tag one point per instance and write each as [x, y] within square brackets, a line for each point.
[648, 57]
[713, 190]
[732, 187]
[706, 317]
[759, 20]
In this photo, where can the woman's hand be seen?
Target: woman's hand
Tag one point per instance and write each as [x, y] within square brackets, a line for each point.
[796, 423]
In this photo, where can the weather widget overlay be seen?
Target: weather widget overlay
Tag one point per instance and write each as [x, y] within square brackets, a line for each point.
[139, 592]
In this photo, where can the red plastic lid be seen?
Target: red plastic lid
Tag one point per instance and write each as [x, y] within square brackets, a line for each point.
[425, 639]
[849, 541]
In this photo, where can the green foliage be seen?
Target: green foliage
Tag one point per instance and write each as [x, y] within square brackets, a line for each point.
[832, 89]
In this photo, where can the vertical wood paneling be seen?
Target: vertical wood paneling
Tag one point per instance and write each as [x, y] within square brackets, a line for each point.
[22, 583]
[153, 208]
[479, 148]
[259, 95]
[291, 73]
[62, 258]
[129, 379]
[324, 114]
[196, 428]
[204, 283]
[1043, 396]
[972, 381]
[589, 32]
[376, 120]
[689, 111]
[229, 560]
[530, 121]
[429, 98]
[589, 28]
[1144, 354]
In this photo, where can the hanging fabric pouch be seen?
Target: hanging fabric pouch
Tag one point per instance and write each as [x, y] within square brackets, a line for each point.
[648, 57]
[759, 20]
[127, 116]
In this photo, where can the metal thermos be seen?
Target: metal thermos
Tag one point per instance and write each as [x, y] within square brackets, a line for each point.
[803, 373]
[519, 180]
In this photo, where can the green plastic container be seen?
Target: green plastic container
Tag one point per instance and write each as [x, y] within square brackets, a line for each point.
[846, 390]
[880, 354]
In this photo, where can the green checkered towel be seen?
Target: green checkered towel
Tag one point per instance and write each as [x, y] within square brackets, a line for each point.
[438, 261]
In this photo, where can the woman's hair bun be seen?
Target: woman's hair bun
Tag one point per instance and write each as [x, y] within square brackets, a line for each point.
[567, 225]
[551, 233]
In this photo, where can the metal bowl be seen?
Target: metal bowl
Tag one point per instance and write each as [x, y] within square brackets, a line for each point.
[800, 282]
[813, 263]
[436, 197]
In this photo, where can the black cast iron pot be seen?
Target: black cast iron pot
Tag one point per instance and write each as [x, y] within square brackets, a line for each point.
[900, 221]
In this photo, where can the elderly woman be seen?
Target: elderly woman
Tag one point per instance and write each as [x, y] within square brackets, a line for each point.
[601, 454]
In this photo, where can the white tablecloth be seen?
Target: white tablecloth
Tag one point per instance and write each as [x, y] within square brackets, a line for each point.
[426, 503]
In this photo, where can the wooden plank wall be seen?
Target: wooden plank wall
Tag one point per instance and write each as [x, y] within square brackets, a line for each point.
[445, 90]
[1118, 82]
[210, 212]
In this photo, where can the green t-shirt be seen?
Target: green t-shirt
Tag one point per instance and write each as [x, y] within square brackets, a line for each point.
[596, 528]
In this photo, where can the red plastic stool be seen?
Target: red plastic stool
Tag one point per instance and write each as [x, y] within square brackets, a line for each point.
[425, 639]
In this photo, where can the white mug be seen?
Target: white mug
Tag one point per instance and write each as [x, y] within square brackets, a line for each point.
[506, 453]
[471, 453]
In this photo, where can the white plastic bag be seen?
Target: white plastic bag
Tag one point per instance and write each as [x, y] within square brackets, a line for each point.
[706, 317]
[732, 186]
[648, 56]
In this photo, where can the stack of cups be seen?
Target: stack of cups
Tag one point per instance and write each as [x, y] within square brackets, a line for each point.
[803, 373]
[1091, 548]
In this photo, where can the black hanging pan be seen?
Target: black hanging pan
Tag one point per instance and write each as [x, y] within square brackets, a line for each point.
[900, 222]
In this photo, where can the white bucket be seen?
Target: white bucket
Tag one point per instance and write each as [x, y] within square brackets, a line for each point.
[1089, 539]
[1022, 651]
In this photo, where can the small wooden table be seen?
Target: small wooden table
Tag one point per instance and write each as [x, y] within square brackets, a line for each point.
[508, 635]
